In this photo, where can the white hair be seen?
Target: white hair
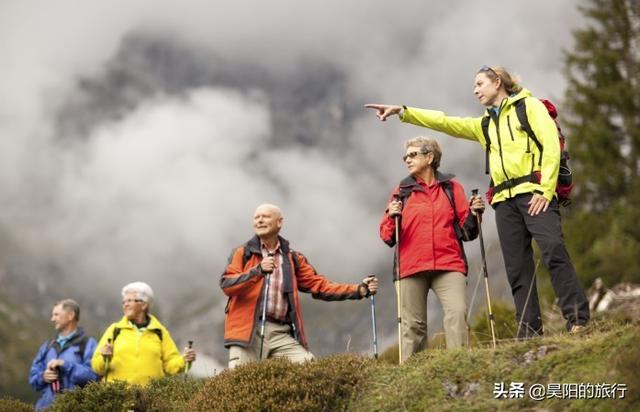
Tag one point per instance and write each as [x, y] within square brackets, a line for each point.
[142, 291]
[270, 206]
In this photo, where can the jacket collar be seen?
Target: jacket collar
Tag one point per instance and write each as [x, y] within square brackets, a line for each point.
[124, 323]
[75, 340]
[411, 181]
[254, 245]
[511, 100]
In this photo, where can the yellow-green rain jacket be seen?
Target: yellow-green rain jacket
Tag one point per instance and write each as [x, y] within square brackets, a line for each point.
[138, 354]
[512, 153]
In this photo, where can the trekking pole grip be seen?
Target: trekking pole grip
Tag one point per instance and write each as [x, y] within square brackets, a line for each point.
[188, 365]
[474, 193]
[270, 254]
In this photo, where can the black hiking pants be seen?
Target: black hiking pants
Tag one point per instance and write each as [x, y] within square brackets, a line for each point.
[516, 228]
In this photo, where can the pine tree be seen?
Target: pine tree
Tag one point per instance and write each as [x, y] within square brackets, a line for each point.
[603, 121]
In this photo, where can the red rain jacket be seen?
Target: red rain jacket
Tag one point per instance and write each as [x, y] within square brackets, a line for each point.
[427, 237]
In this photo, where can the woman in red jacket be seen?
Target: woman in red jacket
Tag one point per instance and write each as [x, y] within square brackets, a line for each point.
[435, 218]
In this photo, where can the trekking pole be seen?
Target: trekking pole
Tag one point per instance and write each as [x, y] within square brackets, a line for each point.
[397, 280]
[526, 302]
[264, 310]
[474, 192]
[187, 366]
[107, 361]
[373, 326]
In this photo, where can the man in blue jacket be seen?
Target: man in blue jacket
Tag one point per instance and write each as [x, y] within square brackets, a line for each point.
[65, 361]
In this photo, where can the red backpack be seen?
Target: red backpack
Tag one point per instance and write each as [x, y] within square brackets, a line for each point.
[564, 184]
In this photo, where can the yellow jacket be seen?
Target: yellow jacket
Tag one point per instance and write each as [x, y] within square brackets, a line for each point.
[512, 154]
[138, 354]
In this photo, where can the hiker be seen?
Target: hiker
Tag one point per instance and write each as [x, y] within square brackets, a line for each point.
[63, 362]
[435, 218]
[138, 347]
[268, 255]
[524, 178]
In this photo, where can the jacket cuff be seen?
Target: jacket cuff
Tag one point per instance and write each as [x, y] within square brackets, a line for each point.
[366, 288]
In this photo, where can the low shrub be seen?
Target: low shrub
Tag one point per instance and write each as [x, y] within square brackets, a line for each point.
[99, 397]
[278, 385]
[170, 394]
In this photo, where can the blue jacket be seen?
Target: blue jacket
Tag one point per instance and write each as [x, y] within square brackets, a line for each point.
[76, 370]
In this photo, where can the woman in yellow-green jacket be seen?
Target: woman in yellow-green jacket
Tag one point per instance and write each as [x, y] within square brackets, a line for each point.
[138, 347]
[524, 175]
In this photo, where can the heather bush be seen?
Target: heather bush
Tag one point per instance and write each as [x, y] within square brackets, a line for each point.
[169, 394]
[98, 397]
[278, 385]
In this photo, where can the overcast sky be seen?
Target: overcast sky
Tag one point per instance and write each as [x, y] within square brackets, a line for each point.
[167, 187]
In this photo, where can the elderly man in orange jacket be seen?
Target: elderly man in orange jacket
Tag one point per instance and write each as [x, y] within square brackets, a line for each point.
[244, 281]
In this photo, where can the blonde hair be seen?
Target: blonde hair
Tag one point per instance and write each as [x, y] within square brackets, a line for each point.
[508, 81]
[426, 145]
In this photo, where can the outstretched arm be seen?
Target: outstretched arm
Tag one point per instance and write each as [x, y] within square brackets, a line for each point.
[322, 288]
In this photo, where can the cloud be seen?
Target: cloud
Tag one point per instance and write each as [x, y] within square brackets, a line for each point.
[138, 137]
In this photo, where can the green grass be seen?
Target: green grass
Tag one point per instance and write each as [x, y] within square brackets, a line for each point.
[608, 353]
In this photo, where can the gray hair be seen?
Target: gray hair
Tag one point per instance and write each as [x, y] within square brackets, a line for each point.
[426, 145]
[142, 291]
[70, 305]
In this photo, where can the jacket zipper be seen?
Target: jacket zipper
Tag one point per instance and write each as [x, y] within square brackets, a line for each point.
[509, 126]
[496, 119]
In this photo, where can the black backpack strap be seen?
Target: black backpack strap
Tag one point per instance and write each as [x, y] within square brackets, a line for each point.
[246, 256]
[521, 112]
[158, 332]
[296, 262]
[487, 144]
[116, 332]
[448, 190]
[82, 345]
[49, 346]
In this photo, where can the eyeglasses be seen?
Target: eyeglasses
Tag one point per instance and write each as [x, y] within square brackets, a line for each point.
[412, 155]
[132, 301]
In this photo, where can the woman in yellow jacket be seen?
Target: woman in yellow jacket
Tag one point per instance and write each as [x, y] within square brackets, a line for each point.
[138, 347]
[524, 178]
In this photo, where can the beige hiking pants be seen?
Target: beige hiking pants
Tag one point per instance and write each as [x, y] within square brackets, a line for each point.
[450, 288]
[278, 343]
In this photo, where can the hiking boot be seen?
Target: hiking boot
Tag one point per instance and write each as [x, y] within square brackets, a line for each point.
[577, 330]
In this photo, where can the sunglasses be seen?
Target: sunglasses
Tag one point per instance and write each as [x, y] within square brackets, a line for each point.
[486, 68]
[132, 301]
[412, 155]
